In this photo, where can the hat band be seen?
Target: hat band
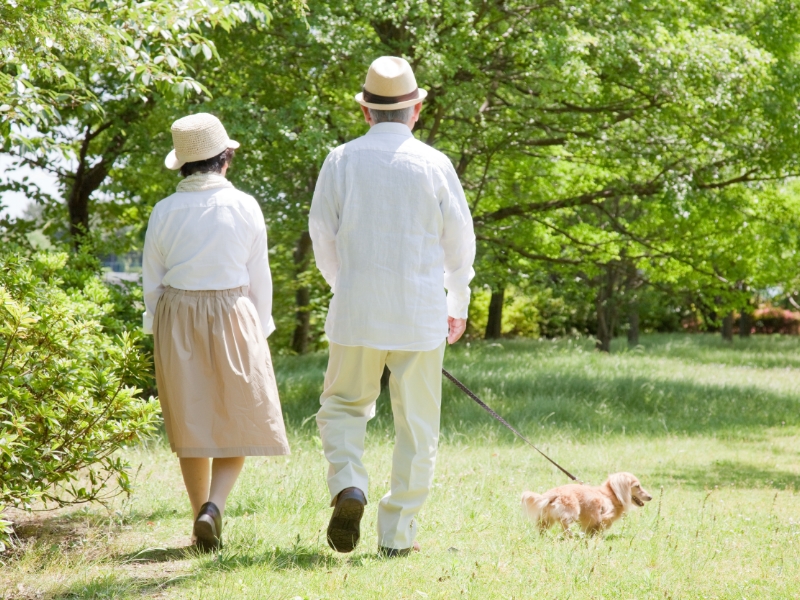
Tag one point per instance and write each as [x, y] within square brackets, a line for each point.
[376, 99]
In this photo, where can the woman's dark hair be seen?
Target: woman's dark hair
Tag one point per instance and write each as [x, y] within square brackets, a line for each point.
[209, 165]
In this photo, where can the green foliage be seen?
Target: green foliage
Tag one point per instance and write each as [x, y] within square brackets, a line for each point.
[634, 148]
[620, 144]
[48, 49]
[6, 529]
[530, 312]
[67, 399]
[77, 109]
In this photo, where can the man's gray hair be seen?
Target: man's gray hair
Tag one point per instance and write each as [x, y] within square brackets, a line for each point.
[401, 115]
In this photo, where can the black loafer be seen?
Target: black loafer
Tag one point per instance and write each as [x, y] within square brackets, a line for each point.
[208, 528]
[344, 530]
[397, 552]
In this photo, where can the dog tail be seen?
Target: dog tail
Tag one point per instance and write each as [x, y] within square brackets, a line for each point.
[533, 505]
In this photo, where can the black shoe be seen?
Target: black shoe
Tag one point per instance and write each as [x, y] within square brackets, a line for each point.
[397, 552]
[208, 528]
[345, 526]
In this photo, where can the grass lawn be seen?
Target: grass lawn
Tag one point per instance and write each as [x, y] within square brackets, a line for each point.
[711, 429]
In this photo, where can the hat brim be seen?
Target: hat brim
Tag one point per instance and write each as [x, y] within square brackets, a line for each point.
[173, 163]
[396, 106]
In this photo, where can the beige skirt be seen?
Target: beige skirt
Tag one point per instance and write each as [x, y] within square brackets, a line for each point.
[214, 375]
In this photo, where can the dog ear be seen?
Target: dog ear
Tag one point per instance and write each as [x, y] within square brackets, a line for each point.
[621, 486]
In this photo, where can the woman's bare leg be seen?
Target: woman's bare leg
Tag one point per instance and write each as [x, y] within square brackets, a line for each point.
[224, 473]
[196, 477]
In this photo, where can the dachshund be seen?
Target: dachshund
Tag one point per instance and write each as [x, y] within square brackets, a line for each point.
[594, 507]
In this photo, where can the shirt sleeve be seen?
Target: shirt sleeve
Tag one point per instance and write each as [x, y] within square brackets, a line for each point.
[458, 243]
[323, 223]
[153, 271]
[260, 292]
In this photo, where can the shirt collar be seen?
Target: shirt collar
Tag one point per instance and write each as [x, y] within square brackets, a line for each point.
[393, 128]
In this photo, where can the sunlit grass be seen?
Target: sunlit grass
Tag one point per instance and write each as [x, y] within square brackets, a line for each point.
[712, 429]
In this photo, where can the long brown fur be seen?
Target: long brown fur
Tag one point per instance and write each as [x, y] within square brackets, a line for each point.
[594, 507]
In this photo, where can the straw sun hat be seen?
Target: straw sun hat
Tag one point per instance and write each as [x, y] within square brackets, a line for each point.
[197, 137]
[390, 85]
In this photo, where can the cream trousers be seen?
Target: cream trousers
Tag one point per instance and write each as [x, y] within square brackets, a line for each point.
[352, 385]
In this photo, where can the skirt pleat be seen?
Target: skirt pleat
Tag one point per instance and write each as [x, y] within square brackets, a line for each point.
[214, 374]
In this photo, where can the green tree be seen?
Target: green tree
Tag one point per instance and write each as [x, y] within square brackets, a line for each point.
[87, 83]
[620, 146]
[619, 143]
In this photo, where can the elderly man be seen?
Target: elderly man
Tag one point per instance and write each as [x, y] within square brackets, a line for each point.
[391, 231]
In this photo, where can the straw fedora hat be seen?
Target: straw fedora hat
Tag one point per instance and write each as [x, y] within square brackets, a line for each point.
[197, 137]
[390, 85]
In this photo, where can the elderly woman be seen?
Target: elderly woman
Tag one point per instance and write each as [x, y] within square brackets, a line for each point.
[208, 300]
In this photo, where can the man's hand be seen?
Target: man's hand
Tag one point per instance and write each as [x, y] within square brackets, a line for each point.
[457, 328]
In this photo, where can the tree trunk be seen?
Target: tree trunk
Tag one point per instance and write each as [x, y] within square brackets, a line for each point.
[494, 325]
[606, 310]
[727, 327]
[633, 324]
[85, 181]
[745, 323]
[302, 329]
[78, 206]
[632, 285]
[90, 173]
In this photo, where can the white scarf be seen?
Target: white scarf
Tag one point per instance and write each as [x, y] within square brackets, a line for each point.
[203, 181]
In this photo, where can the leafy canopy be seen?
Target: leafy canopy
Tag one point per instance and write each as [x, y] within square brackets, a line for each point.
[48, 49]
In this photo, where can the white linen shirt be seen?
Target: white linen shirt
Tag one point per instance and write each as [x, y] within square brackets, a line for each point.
[391, 231]
[213, 239]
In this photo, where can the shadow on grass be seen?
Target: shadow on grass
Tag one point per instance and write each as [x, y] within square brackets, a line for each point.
[158, 555]
[634, 404]
[545, 387]
[232, 558]
[303, 557]
[162, 513]
[119, 585]
[114, 585]
[69, 526]
[760, 351]
[723, 473]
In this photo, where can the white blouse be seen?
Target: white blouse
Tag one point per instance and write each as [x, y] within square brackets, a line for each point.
[391, 231]
[213, 239]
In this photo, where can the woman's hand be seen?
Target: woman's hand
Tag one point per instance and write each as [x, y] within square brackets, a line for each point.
[457, 328]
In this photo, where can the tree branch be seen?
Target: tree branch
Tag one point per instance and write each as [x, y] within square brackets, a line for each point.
[534, 207]
[745, 177]
[522, 252]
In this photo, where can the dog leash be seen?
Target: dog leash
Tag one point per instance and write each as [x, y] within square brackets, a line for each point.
[488, 409]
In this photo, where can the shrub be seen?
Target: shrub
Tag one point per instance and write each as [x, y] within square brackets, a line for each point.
[773, 319]
[68, 399]
[530, 313]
